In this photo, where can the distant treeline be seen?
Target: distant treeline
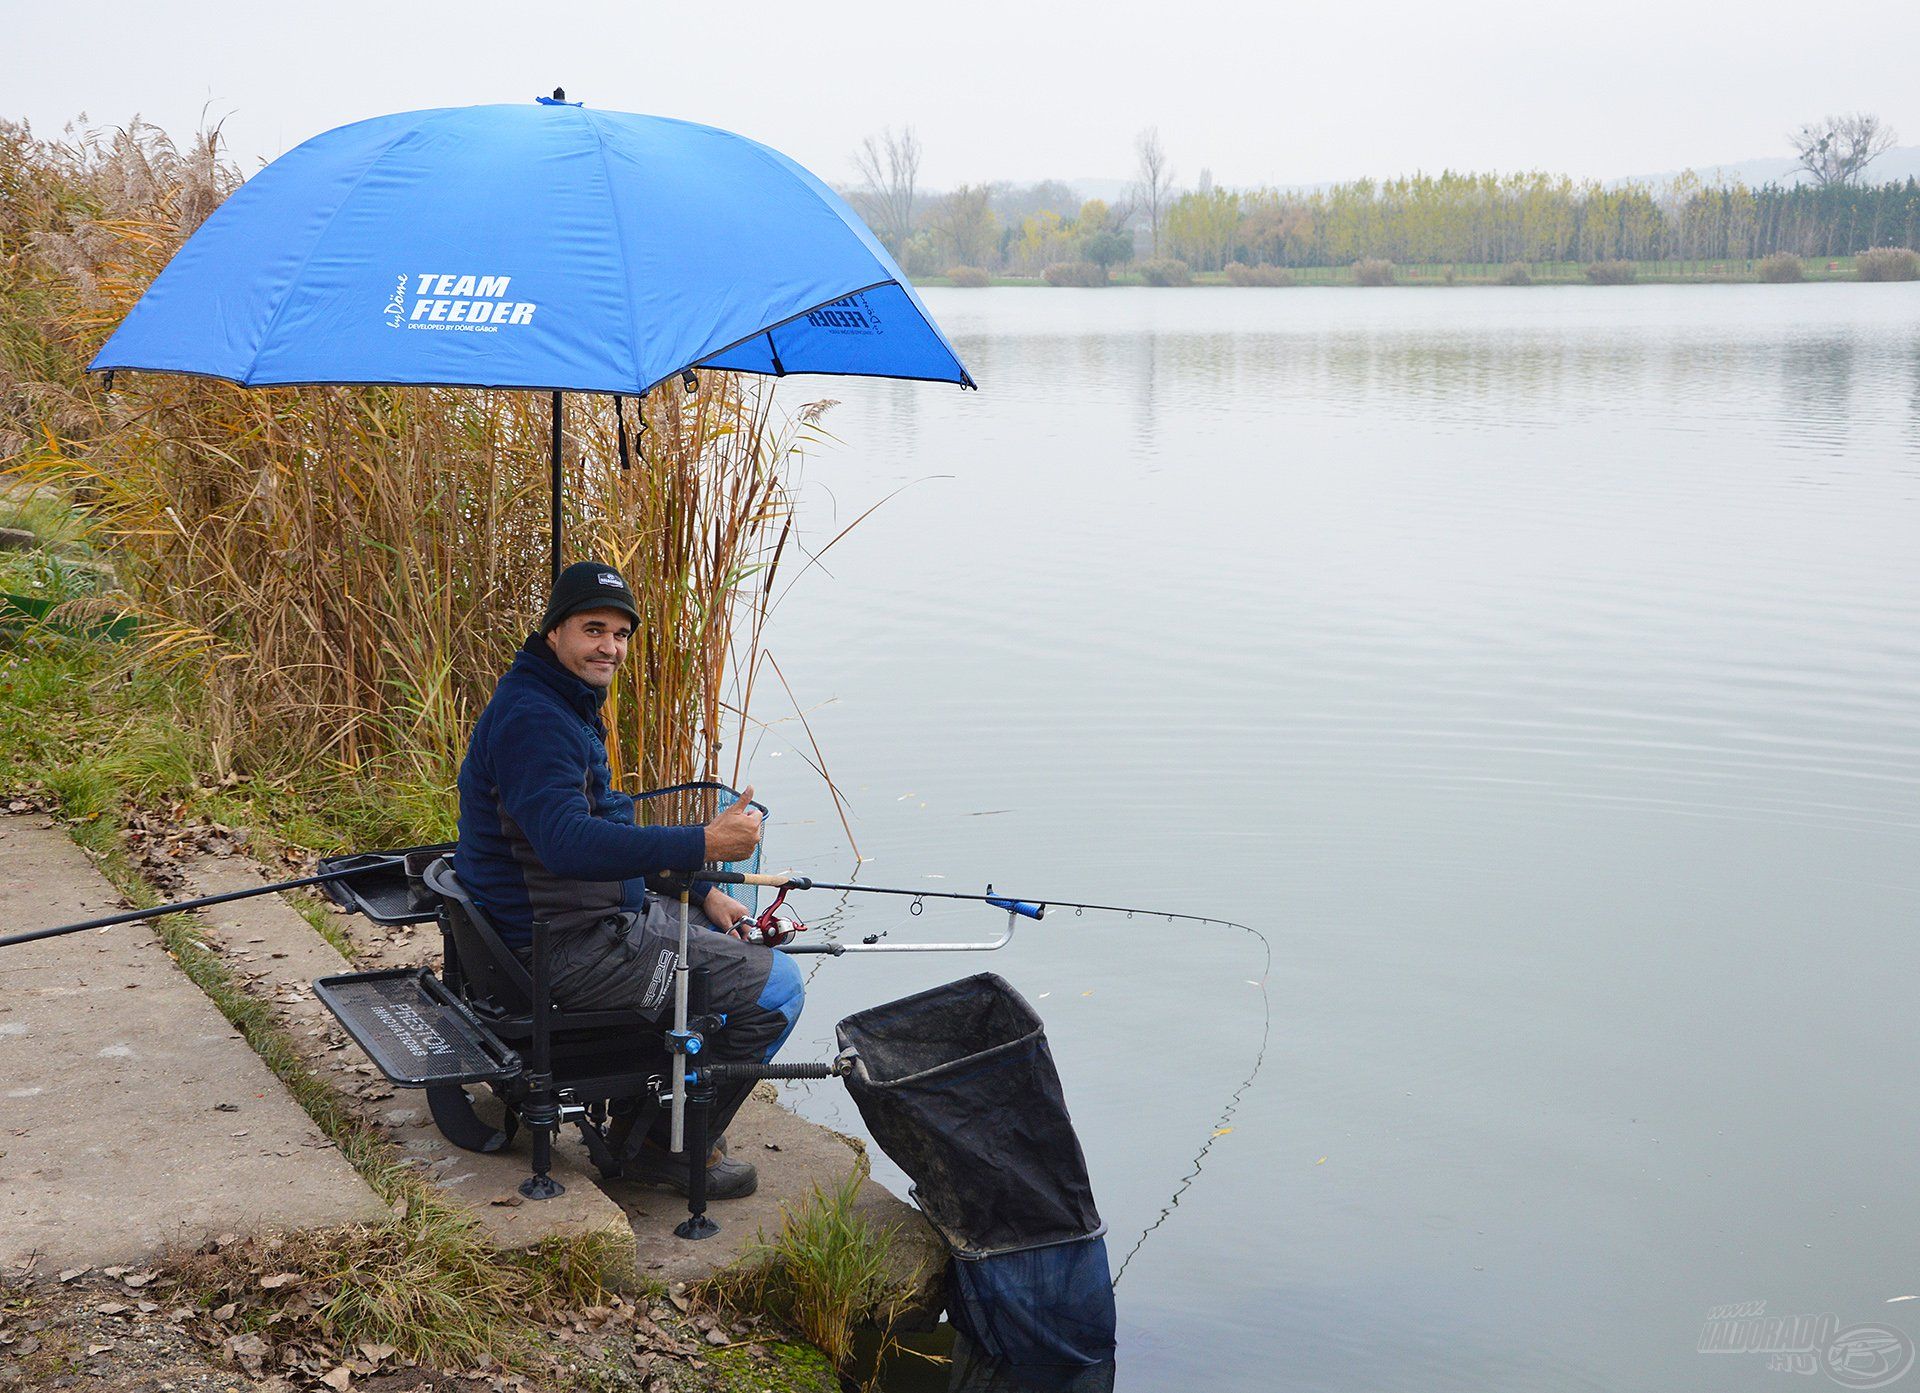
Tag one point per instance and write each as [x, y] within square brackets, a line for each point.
[1534, 217]
[1420, 220]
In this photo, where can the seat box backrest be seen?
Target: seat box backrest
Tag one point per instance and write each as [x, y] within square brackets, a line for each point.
[489, 972]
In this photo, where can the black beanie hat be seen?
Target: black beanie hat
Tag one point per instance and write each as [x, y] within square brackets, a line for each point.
[588, 585]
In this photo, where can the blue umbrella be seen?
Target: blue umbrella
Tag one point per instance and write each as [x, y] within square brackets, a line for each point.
[543, 246]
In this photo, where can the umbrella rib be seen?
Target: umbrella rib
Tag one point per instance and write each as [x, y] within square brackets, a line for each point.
[338, 208]
[620, 239]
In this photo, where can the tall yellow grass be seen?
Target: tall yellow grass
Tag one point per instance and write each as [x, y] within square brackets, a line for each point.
[345, 571]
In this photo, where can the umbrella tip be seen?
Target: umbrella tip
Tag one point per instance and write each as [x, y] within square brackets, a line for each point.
[559, 94]
[559, 98]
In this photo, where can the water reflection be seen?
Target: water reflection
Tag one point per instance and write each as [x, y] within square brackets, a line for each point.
[1539, 668]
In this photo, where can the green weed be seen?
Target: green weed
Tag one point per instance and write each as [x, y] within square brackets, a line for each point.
[823, 1274]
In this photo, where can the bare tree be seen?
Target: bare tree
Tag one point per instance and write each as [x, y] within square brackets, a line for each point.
[1836, 149]
[889, 166]
[1153, 185]
[965, 225]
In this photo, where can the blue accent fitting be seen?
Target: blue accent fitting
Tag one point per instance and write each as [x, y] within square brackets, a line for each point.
[1031, 911]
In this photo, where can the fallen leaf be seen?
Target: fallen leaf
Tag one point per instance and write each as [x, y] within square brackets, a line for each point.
[338, 1379]
[278, 1280]
[225, 1312]
[376, 1353]
[249, 1350]
[111, 1308]
[508, 1201]
[717, 1337]
[73, 1272]
[1221, 1131]
[100, 1348]
[139, 1279]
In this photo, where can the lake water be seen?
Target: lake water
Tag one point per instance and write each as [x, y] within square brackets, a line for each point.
[1538, 669]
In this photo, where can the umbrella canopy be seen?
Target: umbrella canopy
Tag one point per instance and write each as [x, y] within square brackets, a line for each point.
[541, 246]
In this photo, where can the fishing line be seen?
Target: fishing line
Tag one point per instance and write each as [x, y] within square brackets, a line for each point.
[1220, 1126]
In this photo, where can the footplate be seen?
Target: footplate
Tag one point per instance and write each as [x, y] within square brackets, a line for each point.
[415, 1031]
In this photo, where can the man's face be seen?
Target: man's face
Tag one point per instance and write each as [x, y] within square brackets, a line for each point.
[591, 644]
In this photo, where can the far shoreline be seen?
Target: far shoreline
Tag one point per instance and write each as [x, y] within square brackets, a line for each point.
[1448, 276]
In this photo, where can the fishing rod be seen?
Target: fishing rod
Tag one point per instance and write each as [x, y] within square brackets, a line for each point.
[134, 916]
[784, 882]
[1031, 908]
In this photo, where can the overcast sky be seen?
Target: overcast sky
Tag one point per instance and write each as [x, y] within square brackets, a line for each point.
[1259, 93]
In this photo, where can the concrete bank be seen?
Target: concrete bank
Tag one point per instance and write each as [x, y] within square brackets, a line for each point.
[133, 1117]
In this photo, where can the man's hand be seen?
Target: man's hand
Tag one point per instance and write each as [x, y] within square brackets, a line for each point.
[723, 910]
[734, 834]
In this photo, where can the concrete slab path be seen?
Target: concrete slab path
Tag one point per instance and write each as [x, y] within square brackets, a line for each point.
[133, 1117]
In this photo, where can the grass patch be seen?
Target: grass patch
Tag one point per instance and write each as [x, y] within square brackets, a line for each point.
[427, 1284]
[318, 912]
[823, 1274]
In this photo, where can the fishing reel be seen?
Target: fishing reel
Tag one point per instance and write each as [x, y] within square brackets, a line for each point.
[770, 928]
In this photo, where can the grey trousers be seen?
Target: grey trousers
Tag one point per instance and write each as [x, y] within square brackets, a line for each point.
[627, 963]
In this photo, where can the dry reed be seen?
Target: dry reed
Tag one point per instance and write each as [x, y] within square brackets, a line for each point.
[345, 571]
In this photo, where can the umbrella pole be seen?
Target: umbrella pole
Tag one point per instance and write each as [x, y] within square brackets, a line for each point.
[554, 460]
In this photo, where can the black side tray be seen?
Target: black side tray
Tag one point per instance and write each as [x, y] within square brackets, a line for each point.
[416, 1031]
[385, 885]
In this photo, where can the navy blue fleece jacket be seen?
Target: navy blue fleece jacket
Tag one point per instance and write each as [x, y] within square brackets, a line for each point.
[543, 832]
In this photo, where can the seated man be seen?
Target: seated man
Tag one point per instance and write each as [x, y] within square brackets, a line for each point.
[544, 835]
